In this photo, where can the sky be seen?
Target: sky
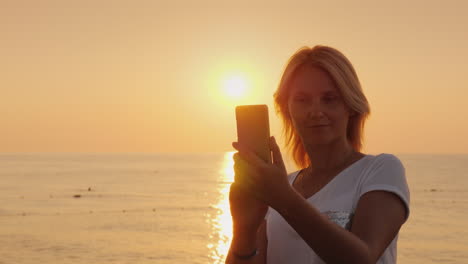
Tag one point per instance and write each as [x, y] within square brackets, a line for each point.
[149, 76]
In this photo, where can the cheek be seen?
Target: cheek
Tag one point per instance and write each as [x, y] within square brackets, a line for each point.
[296, 113]
[341, 120]
[338, 113]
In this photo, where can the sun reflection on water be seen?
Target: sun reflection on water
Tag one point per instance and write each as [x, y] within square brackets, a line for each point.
[222, 222]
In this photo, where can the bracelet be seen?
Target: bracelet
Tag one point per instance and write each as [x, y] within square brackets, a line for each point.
[245, 257]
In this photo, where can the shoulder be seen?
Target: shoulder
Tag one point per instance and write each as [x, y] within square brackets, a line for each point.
[384, 171]
[386, 160]
[386, 156]
[386, 166]
[387, 173]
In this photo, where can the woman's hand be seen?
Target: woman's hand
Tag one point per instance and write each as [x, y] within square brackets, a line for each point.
[256, 185]
[261, 180]
[247, 211]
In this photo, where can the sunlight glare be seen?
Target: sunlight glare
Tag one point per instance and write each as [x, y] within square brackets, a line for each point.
[223, 222]
[233, 82]
[235, 86]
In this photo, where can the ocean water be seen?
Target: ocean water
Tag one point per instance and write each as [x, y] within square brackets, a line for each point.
[173, 208]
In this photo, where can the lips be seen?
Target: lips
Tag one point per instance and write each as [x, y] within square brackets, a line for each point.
[321, 125]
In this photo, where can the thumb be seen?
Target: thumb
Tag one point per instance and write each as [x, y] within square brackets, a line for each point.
[277, 158]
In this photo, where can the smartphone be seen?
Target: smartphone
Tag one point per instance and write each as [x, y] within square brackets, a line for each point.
[253, 129]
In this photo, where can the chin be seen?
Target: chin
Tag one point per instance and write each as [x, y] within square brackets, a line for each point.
[318, 141]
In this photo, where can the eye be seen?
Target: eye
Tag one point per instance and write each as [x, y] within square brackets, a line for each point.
[330, 99]
[300, 99]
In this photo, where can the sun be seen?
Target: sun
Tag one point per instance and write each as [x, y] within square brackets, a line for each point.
[235, 86]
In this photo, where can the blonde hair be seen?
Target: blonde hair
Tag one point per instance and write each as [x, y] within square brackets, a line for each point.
[346, 80]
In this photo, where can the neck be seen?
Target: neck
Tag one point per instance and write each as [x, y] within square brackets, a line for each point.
[329, 157]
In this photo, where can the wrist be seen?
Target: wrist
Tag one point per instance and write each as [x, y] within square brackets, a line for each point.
[245, 256]
[244, 230]
[244, 243]
[289, 199]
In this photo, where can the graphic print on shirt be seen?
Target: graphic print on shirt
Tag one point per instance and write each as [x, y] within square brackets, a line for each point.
[341, 218]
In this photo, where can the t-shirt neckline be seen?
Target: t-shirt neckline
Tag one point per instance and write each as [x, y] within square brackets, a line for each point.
[352, 165]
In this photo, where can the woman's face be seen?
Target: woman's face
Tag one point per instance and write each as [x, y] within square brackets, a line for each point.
[317, 110]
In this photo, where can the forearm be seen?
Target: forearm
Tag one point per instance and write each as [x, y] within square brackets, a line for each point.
[331, 242]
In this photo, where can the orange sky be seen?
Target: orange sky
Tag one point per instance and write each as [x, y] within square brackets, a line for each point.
[145, 76]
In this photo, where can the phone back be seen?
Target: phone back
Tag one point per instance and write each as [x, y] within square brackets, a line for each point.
[253, 129]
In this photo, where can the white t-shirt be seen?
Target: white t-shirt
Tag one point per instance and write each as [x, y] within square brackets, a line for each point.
[338, 200]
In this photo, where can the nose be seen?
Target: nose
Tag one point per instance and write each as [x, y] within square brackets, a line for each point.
[315, 109]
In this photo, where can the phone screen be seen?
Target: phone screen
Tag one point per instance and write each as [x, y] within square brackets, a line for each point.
[253, 129]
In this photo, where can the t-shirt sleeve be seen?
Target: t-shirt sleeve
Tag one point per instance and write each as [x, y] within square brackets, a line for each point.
[267, 213]
[387, 173]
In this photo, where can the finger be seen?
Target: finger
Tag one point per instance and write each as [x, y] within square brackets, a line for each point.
[239, 162]
[245, 184]
[236, 157]
[251, 157]
[242, 171]
[239, 170]
[277, 157]
[236, 145]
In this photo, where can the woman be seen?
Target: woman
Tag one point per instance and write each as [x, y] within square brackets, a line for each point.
[343, 206]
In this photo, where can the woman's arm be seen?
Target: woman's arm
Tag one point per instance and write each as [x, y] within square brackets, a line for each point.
[245, 242]
[378, 218]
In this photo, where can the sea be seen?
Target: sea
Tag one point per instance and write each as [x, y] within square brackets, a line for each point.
[173, 208]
